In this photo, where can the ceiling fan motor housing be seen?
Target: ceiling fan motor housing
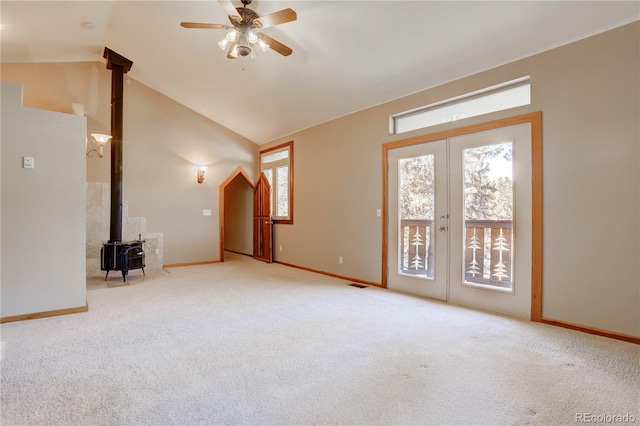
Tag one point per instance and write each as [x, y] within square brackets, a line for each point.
[247, 16]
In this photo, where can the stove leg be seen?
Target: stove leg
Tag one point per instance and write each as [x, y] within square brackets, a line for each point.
[124, 276]
[143, 272]
[106, 276]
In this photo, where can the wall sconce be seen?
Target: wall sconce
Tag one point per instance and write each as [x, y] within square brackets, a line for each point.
[201, 170]
[96, 144]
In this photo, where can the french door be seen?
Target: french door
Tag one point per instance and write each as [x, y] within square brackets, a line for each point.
[460, 219]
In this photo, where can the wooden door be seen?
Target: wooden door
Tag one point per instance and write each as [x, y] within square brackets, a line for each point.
[262, 223]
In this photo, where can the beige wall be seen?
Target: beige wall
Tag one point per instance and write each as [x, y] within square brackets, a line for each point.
[43, 209]
[166, 143]
[55, 87]
[238, 216]
[588, 92]
[163, 142]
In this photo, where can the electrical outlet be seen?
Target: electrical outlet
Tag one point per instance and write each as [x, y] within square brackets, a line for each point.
[379, 213]
[280, 247]
[206, 212]
[340, 260]
[157, 251]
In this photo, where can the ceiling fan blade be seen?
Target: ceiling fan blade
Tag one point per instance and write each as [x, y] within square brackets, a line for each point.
[276, 18]
[231, 11]
[276, 45]
[204, 26]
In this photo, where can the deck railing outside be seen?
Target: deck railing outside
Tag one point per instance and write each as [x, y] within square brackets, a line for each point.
[488, 247]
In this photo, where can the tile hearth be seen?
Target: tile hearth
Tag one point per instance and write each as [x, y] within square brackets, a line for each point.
[98, 210]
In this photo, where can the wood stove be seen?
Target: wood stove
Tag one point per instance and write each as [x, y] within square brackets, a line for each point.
[122, 256]
[118, 255]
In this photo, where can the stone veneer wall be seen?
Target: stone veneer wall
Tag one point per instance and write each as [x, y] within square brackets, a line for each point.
[98, 211]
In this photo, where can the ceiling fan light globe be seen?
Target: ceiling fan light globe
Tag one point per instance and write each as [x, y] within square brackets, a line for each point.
[234, 52]
[223, 43]
[252, 37]
[264, 46]
[232, 35]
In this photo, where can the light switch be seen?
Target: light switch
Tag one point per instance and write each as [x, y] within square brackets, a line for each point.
[206, 212]
[28, 162]
[379, 213]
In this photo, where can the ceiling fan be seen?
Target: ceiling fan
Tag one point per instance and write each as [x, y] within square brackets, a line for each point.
[242, 37]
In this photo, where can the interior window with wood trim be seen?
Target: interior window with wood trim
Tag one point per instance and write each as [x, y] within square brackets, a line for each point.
[277, 165]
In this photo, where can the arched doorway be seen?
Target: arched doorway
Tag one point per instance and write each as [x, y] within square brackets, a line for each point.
[236, 214]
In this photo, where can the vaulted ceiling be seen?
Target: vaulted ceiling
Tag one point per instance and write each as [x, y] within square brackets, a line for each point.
[347, 55]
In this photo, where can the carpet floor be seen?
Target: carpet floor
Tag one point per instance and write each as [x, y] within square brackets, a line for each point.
[249, 343]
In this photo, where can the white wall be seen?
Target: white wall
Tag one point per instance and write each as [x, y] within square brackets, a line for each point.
[42, 210]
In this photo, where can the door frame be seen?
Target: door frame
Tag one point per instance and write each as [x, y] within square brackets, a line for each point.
[535, 119]
[237, 172]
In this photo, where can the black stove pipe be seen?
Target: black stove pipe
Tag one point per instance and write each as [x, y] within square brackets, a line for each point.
[119, 65]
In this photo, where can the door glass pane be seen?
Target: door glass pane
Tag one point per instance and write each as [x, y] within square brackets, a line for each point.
[268, 173]
[488, 216]
[416, 204]
[282, 191]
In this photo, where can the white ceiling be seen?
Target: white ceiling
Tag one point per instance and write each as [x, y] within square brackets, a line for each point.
[347, 55]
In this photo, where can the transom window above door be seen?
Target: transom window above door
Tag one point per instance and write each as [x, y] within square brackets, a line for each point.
[277, 165]
[499, 97]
